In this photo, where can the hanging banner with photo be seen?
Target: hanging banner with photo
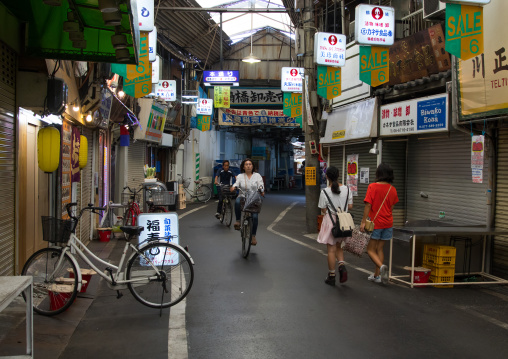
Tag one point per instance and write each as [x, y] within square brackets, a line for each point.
[203, 122]
[374, 65]
[222, 96]
[329, 82]
[75, 174]
[352, 174]
[66, 166]
[464, 30]
[477, 157]
[292, 104]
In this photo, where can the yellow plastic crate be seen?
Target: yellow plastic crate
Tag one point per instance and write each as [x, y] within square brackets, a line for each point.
[442, 279]
[439, 260]
[438, 250]
[440, 270]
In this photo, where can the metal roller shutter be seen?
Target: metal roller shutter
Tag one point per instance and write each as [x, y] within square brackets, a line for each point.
[500, 253]
[86, 188]
[8, 63]
[394, 153]
[136, 162]
[365, 159]
[440, 179]
[336, 158]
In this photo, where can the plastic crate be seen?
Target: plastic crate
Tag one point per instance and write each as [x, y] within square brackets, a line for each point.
[438, 260]
[440, 270]
[56, 230]
[163, 198]
[127, 198]
[438, 250]
[442, 279]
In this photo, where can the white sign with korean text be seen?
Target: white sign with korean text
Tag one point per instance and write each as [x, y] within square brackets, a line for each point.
[291, 79]
[329, 49]
[166, 89]
[204, 106]
[422, 115]
[374, 25]
[145, 15]
[152, 45]
[160, 226]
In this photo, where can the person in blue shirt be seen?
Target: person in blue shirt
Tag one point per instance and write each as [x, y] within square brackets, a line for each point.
[223, 177]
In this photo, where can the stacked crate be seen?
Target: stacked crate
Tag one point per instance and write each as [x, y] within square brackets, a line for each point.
[441, 261]
[181, 197]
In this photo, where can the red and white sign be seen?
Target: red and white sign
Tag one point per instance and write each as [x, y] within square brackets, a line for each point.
[166, 89]
[204, 106]
[374, 25]
[291, 79]
[329, 49]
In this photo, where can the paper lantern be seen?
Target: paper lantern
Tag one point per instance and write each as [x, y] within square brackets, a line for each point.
[48, 149]
[83, 151]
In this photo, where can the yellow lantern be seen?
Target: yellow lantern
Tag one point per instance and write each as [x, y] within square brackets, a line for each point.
[48, 149]
[83, 151]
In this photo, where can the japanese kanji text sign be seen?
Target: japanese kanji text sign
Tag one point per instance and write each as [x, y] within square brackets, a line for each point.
[374, 25]
[166, 89]
[291, 79]
[221, 96]
[329, 49]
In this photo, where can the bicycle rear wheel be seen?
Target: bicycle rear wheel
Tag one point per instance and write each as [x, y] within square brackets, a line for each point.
[203, 193]
[246, 236]
[227, 208]
[129, 218]
[53, 290]
[173, 283]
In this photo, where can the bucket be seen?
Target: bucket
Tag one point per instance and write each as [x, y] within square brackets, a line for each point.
[104, 234]
[86, 276]
[59, 294]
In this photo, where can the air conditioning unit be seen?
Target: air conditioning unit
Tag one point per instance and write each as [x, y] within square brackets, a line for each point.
[433, 10]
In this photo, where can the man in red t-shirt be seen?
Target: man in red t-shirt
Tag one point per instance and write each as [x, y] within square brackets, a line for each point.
[379, 201]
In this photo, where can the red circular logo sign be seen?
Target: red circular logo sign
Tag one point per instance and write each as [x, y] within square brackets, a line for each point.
[332, 40]
[204, 102]
[377, 13]
[293, 72]
[165, 84]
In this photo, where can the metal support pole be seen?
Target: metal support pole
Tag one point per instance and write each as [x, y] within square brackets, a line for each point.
[221, 56]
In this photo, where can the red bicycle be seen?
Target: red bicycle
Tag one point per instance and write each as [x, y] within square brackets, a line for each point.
[130, 200]
[156, 202]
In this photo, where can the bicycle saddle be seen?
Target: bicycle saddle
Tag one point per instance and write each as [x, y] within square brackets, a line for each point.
[132, 230]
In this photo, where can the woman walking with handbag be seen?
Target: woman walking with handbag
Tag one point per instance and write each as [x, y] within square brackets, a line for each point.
[379, 201]
[338, 195]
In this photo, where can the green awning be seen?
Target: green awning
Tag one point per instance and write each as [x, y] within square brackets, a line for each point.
[46, 38]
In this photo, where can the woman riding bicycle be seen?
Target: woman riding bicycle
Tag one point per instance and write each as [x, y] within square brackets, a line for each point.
[247, 180]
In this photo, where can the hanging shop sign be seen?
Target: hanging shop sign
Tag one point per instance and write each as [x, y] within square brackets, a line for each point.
[374, 25]
[291, 79]
[464, 30]
[166, 89]
[66, 166]
[152, 118]
[374, 65]
[422, 115]
[419, 56]
[477, 157]
[355, 121]
[221, 78]
[482, 80]
[145, 15]
[160, 225]
[152, 44]
[306, 100]
[137, 79]
[155, 70]
[204, 106]
[76, 139]
[222, 96]
[329, 49]
[254, 96]
[329, 84]
[292, 104]
[352, 174]
[231, 117]
[203, 122]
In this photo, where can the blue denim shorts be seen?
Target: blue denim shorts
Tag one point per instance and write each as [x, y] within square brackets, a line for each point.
[384, 234]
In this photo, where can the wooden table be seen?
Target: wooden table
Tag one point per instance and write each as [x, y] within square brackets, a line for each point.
[10, 288]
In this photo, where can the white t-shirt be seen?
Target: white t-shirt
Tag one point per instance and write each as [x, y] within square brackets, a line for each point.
[338, 200]
[253, 184]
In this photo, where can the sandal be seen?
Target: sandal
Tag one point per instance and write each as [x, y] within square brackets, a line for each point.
[253, 241]
[237, 225]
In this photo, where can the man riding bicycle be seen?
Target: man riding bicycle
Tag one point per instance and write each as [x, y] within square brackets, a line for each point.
[223, 177]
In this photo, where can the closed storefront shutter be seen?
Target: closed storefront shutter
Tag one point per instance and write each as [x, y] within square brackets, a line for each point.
[365, 160]
[7, 158]
[440, 180]
[86, 187]
[336, 158]
[500, 255]
[136, 162]
[394, 153]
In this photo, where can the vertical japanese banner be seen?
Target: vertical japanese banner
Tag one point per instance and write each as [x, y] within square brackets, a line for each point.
[75, 174]
[310, 176]
[477, 156]
[374, 65]
[203, 123]
[464, 30]
[222, 96]
[307, 102]
[352, 174]
[66, 166]
[329, 82]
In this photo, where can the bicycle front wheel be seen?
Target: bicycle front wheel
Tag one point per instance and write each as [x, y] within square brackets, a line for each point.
[53, 290]
[173, 282]
[246, 236]
[203, 194]
[227, 208]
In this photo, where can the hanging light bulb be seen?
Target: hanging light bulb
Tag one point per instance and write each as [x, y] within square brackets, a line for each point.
[251, 58]
[75, 106]
[89, 117]
[121, 94]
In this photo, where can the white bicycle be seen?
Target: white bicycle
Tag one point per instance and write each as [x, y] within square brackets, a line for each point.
[158, 273]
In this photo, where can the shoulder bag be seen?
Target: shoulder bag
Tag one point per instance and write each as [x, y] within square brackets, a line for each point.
[369, 224]
[344, 225]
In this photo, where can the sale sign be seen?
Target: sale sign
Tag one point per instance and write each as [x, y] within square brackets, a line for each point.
[464, 30]
[292, 104]
[329, 82]
[352, 174]
[374, 65]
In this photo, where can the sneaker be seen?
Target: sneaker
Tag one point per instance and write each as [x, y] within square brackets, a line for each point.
[374, 279]
[384, 274]
[342, 273]
[330, 280]
[217, 215]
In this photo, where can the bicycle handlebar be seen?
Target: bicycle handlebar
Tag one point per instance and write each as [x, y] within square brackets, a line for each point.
[90, 207]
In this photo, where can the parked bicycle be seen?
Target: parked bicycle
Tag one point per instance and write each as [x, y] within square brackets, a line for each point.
[156, 202]
[131, 201]
[158, 273]
[226, 215]
[202, 192]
